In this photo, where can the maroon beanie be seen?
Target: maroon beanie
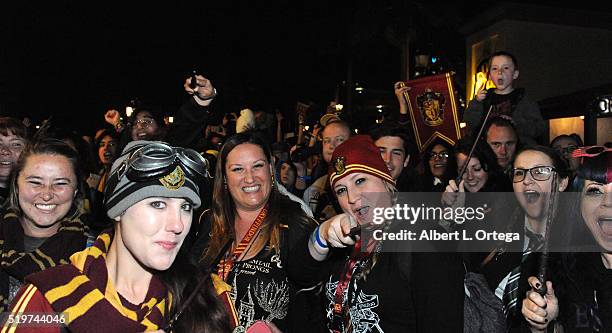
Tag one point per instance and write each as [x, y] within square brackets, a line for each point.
[357, 154]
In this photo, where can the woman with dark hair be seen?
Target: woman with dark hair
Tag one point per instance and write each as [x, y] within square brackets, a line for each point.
[439, 166]
[107, 144]
[482, 173]
[538, 171]
[564, 145]
[579, 293]
[254, 237]
[42, 225]
[13, 139]
[119, 284]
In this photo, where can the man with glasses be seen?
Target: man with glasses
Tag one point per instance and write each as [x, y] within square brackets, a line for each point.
[318, 195]
[189, 121]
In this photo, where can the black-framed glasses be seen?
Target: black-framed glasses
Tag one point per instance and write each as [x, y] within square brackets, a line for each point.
[157, 159]
[539, 173]
[441, 155]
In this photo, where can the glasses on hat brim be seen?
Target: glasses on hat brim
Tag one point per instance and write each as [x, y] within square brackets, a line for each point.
[591, 151]
[540, 173]
[156, 160]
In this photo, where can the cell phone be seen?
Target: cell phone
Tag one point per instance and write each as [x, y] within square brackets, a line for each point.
[193, 82]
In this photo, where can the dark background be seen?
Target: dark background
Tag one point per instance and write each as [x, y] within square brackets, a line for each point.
[76, 60]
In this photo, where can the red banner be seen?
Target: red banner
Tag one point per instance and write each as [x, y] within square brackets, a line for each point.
[433, 109]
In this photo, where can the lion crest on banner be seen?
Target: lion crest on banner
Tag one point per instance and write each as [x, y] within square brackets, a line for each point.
[431, 107]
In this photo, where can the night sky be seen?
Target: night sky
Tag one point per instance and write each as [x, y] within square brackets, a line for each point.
[75, 60]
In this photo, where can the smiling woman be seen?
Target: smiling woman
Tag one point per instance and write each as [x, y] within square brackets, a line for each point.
[116, 285]
[580, 282]
[254, 237]
[42, 226]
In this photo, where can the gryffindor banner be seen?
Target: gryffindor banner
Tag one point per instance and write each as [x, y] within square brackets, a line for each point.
[433, 109]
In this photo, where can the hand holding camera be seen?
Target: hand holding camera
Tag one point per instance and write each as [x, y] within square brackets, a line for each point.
[201, 88]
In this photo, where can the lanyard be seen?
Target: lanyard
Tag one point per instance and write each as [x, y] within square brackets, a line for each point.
[225, 265]
[340, 311]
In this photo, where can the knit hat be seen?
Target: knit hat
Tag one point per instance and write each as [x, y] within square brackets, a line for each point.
[357, 154]
[121, 193]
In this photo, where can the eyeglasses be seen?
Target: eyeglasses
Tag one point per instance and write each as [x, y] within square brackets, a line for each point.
[591, 151]
[540, 173]
[441, 155]
[155, 160]
[566, 150]
[145, 122]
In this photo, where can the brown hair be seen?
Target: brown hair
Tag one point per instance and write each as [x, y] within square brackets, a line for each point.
[14, 126]
[47, 146]
[224, 208]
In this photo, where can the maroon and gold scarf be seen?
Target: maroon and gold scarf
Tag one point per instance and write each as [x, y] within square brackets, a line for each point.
[87, 296]
[56, 250]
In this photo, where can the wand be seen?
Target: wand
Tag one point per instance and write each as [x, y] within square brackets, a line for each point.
[464, 168]
[550, 214]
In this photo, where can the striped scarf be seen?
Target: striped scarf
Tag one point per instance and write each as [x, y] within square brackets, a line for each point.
[85, 293]
[56, 250]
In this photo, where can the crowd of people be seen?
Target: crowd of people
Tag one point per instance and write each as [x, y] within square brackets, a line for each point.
[227, 224]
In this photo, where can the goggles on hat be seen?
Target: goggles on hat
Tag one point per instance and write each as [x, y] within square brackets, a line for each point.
[155, 160]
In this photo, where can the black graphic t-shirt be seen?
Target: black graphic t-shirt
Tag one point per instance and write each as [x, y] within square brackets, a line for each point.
[404, 292]
[504, 105]
[381, 302]
[260, 290]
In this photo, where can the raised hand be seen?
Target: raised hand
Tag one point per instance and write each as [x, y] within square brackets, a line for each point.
[203, 92]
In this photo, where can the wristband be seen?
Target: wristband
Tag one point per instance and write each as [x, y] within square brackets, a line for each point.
[211, 96]
[318, 239]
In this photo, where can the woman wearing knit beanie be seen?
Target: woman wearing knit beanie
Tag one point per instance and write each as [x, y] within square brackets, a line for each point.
[373, 290]
[119, 284]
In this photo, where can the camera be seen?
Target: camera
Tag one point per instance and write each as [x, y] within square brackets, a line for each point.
[301, 154]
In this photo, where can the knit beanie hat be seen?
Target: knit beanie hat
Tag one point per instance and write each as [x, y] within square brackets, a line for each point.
[357, 154]
[121, 193]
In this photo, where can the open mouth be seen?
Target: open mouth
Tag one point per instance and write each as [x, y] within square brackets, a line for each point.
[6, 163]
[531, 196]
[500, 82]
[141, 134]
[605, 223]
[439, 165]
[251, 189]
[361, 213]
